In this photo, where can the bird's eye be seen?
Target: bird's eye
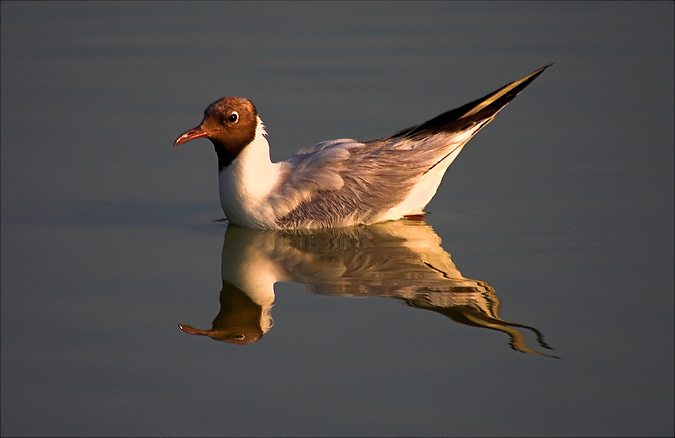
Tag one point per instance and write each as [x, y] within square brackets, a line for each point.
[233, 118]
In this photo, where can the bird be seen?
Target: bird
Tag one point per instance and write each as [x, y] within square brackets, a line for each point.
[349, 263]
[337, 183]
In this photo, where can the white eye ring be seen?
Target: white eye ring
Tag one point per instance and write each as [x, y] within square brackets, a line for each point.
[233, 117]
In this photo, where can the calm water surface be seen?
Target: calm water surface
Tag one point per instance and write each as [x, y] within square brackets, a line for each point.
[536, 298]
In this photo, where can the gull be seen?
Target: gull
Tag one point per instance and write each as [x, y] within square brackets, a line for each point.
[337, 183]
[349, 263]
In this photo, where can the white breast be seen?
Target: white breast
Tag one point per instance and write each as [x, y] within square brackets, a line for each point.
[247, 181]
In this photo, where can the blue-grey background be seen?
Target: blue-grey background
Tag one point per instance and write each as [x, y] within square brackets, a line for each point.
[564, 204]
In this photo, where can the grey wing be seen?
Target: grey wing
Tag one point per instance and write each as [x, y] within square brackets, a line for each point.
[344, 179]
[341, 179]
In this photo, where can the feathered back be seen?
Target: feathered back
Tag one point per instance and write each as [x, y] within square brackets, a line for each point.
[342, 182]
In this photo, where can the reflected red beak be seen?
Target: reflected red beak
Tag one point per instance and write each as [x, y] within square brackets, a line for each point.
[191, 135]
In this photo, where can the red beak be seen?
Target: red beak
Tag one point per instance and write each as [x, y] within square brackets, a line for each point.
[191, 135]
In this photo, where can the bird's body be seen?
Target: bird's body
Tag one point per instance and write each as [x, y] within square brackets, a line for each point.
[337, 183]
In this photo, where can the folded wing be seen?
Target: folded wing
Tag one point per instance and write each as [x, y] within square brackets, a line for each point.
[342, 182]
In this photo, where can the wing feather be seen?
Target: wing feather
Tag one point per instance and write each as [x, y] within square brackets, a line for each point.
[342, 182]
[336, 182]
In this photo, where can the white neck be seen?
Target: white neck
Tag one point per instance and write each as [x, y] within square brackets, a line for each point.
[247, 181]
[246, 264]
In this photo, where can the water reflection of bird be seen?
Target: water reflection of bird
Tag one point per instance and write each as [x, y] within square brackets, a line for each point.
[342, 182]
[397, 259]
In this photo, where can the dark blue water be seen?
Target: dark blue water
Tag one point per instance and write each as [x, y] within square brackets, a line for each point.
[551, 235]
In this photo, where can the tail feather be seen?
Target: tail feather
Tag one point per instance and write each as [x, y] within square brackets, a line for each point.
[462, 118]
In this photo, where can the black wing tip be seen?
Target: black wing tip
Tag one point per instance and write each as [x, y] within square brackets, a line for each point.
[516, 91]
[534, 75]
[455, 119]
